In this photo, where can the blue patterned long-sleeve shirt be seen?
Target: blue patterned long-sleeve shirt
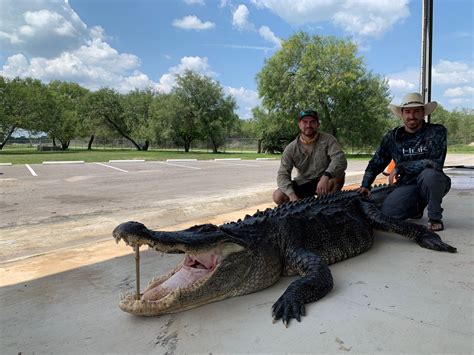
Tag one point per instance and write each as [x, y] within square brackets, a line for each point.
[412, 153]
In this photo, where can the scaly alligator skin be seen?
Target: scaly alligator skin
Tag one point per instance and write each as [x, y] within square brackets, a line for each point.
[238, 258]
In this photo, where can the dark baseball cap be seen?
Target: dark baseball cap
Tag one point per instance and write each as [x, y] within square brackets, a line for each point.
[306, 113]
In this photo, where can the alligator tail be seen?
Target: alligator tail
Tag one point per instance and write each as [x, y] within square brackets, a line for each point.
[422, 235]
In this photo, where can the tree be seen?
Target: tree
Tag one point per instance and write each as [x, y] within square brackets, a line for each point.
[136, 105]
[104, 108]
[274, 130]
[459, 123]
[24, 104]
[324, 73]
[67, 111]
[203, 99]
[196, 108]
[173, 120]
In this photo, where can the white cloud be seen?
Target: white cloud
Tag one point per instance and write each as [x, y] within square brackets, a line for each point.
[246, 100]
[452, 73]
[367, 18]
[93, 65]
[196, 64]
[241, 22]
[52, 43]
[459, 91]
[268, 35]
[240, 18]
[402, 82]
[40, 28]
[192, 22]
[195, 2]
[461, 102]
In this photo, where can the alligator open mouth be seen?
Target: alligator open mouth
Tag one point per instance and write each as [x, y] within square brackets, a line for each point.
[188, 285]
[195, 269]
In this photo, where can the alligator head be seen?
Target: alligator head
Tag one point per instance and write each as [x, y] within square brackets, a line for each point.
[215, 266]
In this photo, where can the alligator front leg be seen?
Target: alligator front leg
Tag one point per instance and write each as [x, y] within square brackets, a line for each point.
[315, 283]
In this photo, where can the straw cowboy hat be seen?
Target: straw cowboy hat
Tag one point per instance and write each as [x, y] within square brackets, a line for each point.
[414, 100]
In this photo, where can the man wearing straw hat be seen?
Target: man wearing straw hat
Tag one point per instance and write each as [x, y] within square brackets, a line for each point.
[419, 150]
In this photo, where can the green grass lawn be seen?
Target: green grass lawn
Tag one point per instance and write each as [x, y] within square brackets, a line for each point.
[32, 156]
[21, 155]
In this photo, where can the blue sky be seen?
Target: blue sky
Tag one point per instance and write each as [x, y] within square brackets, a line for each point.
[127, 44]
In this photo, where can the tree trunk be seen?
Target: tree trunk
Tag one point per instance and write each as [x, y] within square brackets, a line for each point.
[89, 145]
[54, 142]
[7, 137]
[214, 146]
[187, 144]
[123, 134]
[146, 145]
[65, 145]
[259, 146]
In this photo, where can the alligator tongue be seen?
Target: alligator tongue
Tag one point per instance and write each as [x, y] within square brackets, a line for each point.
[193, 269]
[201, 261]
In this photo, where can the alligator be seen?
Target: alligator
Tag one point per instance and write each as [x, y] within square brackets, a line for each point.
[297, 238]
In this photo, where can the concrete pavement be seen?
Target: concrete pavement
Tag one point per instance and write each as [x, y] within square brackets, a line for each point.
[396, 298]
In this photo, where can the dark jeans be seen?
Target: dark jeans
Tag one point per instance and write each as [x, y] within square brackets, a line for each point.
[406, 201]
[307, 189]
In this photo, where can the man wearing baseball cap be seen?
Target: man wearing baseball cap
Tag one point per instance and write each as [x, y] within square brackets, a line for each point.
[419, 150]
[318, 159]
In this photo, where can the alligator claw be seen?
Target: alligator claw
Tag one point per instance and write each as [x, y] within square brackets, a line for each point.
[433, 241]
[286, 310]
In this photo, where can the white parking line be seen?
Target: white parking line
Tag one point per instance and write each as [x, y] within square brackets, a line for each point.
[127, 161]
[31, 170]
[181, 166]
[64, 162]
[178, 160]
[5, 164]
[112, 167]
[236, 164]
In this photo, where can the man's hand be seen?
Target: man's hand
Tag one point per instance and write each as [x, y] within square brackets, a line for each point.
[323, 186]
[363, 190]
[293, 197]
[393, 175]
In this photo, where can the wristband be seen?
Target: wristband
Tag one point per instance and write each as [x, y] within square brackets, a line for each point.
[329, 175]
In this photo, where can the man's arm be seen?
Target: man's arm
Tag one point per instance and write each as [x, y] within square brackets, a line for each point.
[378, 162]
[284, 172]
[338, 161]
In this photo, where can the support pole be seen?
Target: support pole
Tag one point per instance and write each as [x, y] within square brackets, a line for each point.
[426, 50]
[137, 270]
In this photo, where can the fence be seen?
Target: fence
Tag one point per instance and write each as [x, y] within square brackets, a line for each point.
[231, 145]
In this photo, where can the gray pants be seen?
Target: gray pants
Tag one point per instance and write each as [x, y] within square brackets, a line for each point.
[406, 201]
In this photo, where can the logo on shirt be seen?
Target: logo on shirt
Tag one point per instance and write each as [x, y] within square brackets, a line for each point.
[415, 151]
